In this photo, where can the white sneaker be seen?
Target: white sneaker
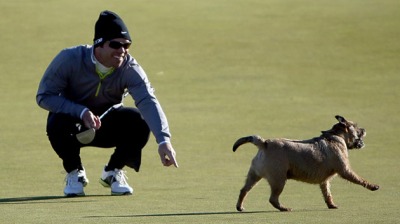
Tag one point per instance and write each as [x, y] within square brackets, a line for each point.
[75, 181]
[116, 179]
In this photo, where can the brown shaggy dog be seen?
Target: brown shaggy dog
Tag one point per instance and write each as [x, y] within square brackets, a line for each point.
[313, 161]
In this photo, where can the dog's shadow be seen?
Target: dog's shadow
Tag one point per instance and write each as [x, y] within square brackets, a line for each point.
[199, 214]
[181, 214]
[64, 199]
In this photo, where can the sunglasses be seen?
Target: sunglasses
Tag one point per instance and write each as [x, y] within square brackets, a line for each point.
[117, 45]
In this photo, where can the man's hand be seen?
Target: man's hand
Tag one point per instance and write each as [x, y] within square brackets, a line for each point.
[90, 120]
[167, 154]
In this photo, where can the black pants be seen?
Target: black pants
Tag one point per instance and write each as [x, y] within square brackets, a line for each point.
[123, 129]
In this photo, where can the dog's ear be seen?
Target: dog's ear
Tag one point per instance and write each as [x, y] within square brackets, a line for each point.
[341, 119]
[362, 133]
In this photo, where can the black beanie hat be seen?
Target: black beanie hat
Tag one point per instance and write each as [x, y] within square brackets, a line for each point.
[109, 26]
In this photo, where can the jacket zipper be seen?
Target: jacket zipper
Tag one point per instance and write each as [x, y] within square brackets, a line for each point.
[102, 77]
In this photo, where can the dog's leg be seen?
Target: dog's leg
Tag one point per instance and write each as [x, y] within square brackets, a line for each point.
[276, 190]
[251, 180]
[351, 176]
[326, 192]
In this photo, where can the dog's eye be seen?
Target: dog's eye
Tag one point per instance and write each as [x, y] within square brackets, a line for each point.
[361, 132]
[353, 132]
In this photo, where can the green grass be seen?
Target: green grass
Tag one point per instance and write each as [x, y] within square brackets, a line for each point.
[222, 69]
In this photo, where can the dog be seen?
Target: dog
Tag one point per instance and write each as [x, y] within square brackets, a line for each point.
[314, 161]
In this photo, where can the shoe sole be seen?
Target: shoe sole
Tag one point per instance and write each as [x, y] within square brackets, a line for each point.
[74, 195]
[120, 194]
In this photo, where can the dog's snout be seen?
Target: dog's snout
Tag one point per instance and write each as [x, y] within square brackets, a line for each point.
[359, 144]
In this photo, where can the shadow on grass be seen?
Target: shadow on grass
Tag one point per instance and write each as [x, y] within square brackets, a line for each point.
[199, 214]
[196, 214]
[42, 199]
[180, 214]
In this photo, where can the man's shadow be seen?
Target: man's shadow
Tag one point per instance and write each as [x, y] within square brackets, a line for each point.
[43, 199]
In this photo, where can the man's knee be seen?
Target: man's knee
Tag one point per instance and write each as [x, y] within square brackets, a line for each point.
[61, 124]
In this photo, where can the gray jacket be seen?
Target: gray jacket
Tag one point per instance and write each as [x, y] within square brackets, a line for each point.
[70, 85]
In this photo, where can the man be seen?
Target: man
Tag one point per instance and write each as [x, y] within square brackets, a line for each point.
[84, 81]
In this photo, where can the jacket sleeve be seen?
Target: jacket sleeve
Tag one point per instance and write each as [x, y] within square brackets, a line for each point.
[146, 101]
[54, 81]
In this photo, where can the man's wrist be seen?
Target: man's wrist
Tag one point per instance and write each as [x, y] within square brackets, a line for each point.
[164, 142]
[83, 112]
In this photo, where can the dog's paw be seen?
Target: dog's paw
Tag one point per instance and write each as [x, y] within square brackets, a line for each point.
[332, 206]
[283, 209]
[240, 208]
[374, 187]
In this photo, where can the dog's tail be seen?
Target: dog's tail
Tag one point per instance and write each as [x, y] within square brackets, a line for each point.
[255, 139]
